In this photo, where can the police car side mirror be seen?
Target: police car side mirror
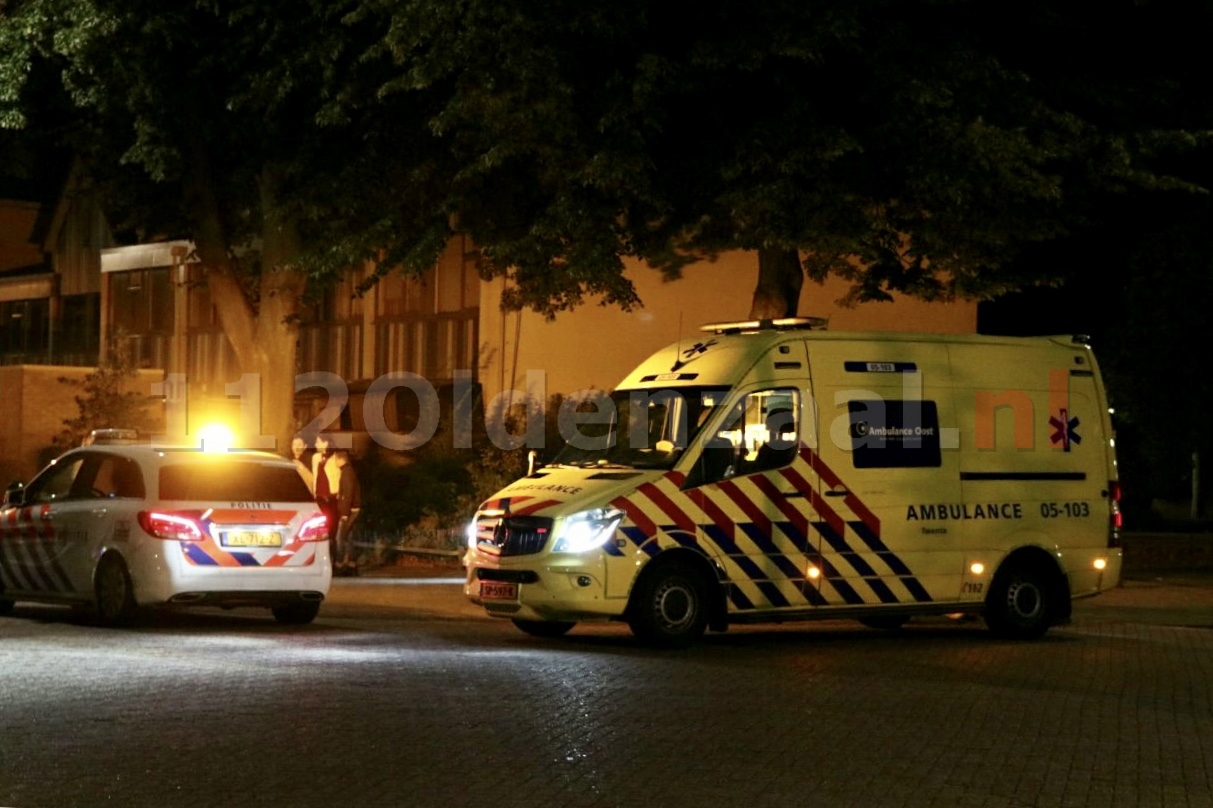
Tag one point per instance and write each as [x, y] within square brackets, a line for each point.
[14, 495]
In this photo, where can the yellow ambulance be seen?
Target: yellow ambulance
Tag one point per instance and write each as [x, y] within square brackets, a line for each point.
[776, 470]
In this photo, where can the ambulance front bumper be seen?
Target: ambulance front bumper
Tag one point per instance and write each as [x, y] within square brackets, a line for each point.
[555, 589]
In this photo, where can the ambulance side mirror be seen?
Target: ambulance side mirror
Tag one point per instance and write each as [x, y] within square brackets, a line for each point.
[14, 495]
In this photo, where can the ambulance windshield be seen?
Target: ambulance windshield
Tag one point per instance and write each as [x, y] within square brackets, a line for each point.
[636, 428]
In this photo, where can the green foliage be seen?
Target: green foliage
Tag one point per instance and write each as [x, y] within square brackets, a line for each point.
[190, 114]
[106, 401]
[929, 139]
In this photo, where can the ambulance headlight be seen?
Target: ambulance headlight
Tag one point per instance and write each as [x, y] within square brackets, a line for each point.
[587, 530]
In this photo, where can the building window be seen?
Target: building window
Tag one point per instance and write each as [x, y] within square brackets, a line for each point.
[24, 330]
[80, 329]
[141, 302]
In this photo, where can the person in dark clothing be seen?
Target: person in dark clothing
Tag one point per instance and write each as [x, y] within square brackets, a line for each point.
[326, 478]
[349, 505]
[302, 456]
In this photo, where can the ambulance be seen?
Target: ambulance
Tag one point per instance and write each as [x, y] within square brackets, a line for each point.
[776, 470]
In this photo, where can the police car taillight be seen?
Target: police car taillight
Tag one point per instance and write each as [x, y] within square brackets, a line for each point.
[1115, 518]
[314, 529]
[171, 526]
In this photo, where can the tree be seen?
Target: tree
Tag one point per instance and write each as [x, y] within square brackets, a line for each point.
[241, 126]
[106, 400]
[908, 145]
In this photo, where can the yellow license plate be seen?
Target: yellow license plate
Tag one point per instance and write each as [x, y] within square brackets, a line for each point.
[252, 538]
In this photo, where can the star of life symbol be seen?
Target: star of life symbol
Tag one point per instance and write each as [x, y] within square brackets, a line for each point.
[698, 348]
[1065, 430]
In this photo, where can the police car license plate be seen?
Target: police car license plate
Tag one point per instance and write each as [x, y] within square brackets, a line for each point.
[498, 590]
[251, 538]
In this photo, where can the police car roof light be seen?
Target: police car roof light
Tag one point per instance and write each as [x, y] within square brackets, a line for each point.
[780, 324]
[112, 436]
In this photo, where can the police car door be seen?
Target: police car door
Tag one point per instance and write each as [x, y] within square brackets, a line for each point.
[105, 498]
[887, 435]
[31, 560]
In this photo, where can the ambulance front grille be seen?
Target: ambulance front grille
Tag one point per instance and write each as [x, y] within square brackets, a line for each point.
[514, 535]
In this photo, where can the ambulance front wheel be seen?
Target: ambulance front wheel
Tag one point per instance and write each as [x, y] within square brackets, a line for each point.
[544, 628]
[6, 607]
[1019, 606]
[669, 608]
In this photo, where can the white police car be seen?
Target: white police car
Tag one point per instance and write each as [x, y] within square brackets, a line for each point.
[119, 526]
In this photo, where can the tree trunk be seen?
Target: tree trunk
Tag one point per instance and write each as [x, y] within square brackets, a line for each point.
[264, 337]
[780, 277]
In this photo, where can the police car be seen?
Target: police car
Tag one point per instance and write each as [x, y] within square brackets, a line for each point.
[117, 526]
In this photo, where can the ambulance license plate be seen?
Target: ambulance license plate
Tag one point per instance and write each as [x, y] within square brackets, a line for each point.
[498, 590]
[252, 538]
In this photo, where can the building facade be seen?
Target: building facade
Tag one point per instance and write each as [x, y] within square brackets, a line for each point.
[68, 294]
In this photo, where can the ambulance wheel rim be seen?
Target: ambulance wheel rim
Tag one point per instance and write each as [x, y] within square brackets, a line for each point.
[1019, 606]
[670, 606]
[1025, 601]
[676, 605]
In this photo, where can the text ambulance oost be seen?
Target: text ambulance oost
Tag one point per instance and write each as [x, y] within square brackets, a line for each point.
[777, 471]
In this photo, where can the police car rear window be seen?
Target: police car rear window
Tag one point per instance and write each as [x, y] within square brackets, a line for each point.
[233, 481]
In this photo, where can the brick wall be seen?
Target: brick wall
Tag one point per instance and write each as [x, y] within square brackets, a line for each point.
[33, 404]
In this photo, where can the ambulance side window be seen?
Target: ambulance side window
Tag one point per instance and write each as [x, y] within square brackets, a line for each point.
[772, 434]
[894, 434]
[760, 433]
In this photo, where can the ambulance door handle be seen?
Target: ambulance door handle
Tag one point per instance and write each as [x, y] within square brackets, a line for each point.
[792, 494]
[837, 492]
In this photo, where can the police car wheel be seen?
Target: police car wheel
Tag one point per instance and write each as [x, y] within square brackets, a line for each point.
[114, 601]
[297, 614]
[670, 609]
[544, 628]
[1019, 606]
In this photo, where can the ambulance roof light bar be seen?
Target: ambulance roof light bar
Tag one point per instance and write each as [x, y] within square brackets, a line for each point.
[781, 324]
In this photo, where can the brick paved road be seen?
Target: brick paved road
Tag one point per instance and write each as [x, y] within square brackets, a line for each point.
[401, 695]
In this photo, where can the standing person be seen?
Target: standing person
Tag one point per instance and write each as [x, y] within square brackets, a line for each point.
[327, 477]
[349, 505]
[302, 457]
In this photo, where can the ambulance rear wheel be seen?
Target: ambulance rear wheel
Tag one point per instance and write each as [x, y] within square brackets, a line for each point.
[6, 607]
[1019, 605]
[669, 607]
[544, 628]
[114, 596]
